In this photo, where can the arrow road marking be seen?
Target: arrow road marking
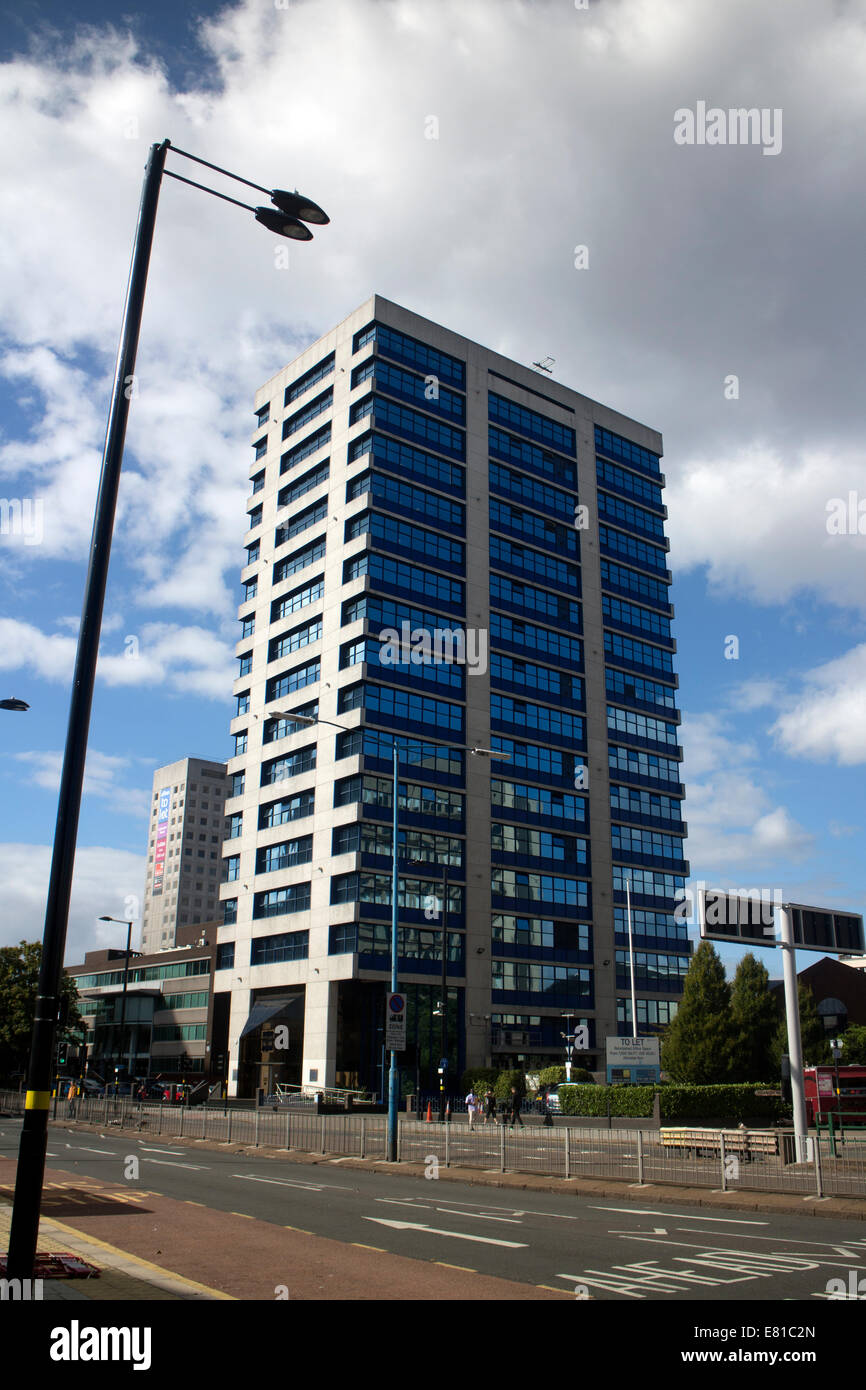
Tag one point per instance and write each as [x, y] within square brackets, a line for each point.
[434, 1231]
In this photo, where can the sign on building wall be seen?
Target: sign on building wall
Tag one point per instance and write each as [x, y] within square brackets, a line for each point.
[161, 838]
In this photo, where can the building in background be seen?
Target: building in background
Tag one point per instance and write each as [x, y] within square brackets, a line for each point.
[166, 1026]
[508, 535]
[183, 853]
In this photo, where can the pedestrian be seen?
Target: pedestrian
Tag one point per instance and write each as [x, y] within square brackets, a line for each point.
[471, 1103]
[490, 1106]
[71, 1094]
[515, 1108]
[548, 1118]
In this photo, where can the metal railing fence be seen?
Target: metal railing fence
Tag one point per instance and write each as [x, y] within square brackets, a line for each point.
[728, 1160]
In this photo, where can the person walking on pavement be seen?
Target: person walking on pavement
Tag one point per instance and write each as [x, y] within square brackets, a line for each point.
[515, 1108]
[471, 1103]
[490, 1106]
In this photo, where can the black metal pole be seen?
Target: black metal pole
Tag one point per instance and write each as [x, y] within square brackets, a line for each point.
[24, 1232]
[443, 1039]
[123, 1002]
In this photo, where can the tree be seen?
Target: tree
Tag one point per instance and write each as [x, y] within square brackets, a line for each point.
[816, 1049]
[854, 1050]
[755, 1018]
[696, 1046]
[19, 977]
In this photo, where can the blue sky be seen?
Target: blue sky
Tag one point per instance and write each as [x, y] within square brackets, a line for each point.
[555, 129]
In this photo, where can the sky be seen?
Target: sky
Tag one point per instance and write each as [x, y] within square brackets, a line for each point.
[464, 150]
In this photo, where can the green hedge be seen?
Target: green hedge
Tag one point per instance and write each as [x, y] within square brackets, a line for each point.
[725, 1104]
[477, 1079]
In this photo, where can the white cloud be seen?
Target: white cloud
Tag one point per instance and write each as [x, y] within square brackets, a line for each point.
[827, 720]
[733, 825]
[189, 659]
[103, 778]
[106, 881]
[758, 522]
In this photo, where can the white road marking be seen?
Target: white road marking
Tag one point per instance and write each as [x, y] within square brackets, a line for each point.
[479, 1216]
[287, 1182]
[164, 1163]
[639, 1211]
[435, 1231]
[81, 1148]
[178, 1152]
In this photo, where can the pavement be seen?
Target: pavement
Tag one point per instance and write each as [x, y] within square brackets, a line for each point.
[163, 1248]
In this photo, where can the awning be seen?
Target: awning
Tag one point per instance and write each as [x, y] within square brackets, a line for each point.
[269, 1008]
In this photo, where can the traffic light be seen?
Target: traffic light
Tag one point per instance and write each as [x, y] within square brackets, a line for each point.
[62, 1055]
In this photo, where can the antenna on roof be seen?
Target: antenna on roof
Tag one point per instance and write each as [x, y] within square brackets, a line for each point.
[546, 365]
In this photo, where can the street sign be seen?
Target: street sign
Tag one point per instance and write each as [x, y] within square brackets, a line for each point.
[395, 1023]
[748, 918]
[825, 929]
[734, 917]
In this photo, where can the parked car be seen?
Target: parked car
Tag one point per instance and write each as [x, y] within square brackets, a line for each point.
[553, 1104]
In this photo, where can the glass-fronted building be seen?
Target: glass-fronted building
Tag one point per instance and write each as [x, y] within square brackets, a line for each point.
[450, 550]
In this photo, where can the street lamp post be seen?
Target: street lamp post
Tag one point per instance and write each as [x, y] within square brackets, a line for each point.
[121, 923]
[282, 218]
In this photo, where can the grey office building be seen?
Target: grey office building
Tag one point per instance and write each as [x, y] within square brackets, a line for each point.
[453, 550]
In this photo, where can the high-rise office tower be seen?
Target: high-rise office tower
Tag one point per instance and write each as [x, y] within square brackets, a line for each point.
[449, 549]
[187, 825]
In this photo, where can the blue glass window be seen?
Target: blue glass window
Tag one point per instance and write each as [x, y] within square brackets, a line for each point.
[532, 491]
[615, 509]
[636, 763]
[624, 481]
[618, 448]
[530, 423]
[289, 808]
[291, 641]
[538, 639]
[414, 353]
[505, 517]
[299, 560]
[627, 840]
[403, 420]
[618, 577]
[634, 653]
[513, 593]
[302, 521]
[313, 478]
[406, 579]
[280, 686]
[628, 723]
[286, 946]
[310, 378]
[633, 549]
[298, 598]
[401, 704]
[541, 718]
[526, 455]
[618, 610]
[290, 765]
[316, 407]
[397, 457]
[534, 562]
[392, 493]
[621, 685]
[285, 855]
[307, 446]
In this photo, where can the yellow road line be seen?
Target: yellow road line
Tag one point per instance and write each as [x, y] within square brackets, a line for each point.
[445, 1265]
[359, 1245]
